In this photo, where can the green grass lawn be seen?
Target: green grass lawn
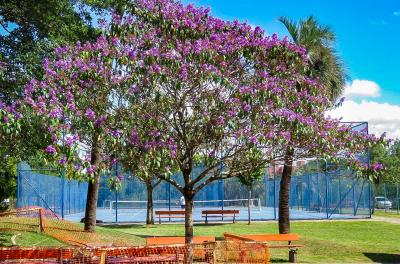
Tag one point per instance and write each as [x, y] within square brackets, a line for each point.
[325, 241]
[28, 239]
[391, 213]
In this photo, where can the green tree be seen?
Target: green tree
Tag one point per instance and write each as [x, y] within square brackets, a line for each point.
[326, 66]
[32, 28]
[389, 157]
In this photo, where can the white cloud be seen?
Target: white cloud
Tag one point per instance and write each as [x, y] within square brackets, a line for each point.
[382, 117]
[362, 88]
[396, 13]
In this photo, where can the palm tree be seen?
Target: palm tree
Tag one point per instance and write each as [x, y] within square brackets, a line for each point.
[324, 65]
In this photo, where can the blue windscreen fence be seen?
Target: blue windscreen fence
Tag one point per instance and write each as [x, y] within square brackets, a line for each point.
[46, 188]
[331, 193]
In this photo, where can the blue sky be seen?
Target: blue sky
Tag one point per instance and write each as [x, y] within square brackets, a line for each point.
[368, 32]
[368, 40]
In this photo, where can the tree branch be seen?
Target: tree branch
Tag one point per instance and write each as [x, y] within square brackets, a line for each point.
[169, 180]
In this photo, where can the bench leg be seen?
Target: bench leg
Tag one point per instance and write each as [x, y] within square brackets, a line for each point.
[234, 215]
[206, 219]
[292, 255]
[159, 219]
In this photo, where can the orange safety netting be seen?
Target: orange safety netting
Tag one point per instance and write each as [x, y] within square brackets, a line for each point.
[108, 248]
[214, 252]
[36, 219]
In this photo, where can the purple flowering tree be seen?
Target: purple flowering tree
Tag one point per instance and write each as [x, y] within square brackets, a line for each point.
[173, 88]
[76, 104]
[221, 95]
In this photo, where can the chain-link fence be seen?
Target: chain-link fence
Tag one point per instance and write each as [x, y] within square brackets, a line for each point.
[387, 198]
[334, 194]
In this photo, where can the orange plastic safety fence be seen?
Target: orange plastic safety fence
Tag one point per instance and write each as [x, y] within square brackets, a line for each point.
[214, 252]
[36, 219]
[108, 248]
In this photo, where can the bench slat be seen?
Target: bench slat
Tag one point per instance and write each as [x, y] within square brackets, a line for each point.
[217, 216]
[169, 212]
[220, 212]
[286, 246]
[264, 238]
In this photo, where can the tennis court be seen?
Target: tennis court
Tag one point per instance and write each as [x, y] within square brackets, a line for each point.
[334, 194]
[258, 212]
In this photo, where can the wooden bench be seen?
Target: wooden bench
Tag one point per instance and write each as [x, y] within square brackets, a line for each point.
[170, 214]
[268, 238]
[219, 213]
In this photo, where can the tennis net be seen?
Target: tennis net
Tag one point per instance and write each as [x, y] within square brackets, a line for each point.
[255, 204]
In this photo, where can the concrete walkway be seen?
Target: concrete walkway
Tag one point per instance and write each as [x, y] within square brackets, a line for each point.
[391, 220]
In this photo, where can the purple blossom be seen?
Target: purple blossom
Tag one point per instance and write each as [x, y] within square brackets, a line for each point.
[100, 120]
[116, 133]
[63, 160]
[246, 107]
[90, 114]
[120, 177]
[77, 166]
[91, 169]
[50, 149]
[133, 89]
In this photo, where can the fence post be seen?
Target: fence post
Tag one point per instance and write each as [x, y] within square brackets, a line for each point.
[369, 199]
[116, 206]
[18, 186]
[116, 194]
[266, 175]
[384, 190]
[169, 195]
[274, 191]
[221, 192]
[62, 192]
[326, 194]
[397, 197]
[354, 198]
[340, 196]
[318, 192]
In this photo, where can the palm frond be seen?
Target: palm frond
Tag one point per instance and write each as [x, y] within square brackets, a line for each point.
[319, 41]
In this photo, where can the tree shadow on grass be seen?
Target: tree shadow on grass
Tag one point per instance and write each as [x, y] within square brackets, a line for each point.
[383, 257]
[279, 260]
[5, 239]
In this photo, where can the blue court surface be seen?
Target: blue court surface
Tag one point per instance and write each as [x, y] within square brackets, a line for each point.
[260, 214]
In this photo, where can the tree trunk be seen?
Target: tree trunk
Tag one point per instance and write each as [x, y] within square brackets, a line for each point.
[284, 193]
[189, 226]
[249, 206]
[93, 187]
[149, 214]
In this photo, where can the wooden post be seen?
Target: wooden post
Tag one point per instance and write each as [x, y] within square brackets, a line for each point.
[41, 220]
[103, 257]
[293, 256]
[267, 254]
